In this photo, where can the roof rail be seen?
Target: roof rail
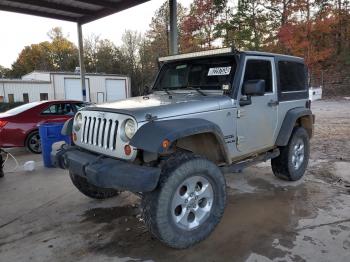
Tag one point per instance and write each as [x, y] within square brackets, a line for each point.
[219, 51]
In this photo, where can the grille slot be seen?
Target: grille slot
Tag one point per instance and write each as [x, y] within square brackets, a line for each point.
[100, 132]
[115, 135]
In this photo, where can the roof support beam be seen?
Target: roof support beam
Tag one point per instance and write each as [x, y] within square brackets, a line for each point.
[81, 58]
[55, 6]
[173, 39]
[37, 13]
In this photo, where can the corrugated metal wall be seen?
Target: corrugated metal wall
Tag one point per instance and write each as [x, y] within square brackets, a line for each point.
[97, 83]
[17, 89]
[54, 87]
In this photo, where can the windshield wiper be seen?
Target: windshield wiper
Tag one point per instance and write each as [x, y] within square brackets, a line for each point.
[198, 90]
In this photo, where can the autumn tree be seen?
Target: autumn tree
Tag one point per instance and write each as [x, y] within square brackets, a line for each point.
[33, 57]
[59, 54]
[199, 25]
[63, 53]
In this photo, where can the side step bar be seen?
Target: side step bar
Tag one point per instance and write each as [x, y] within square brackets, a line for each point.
[239, 166]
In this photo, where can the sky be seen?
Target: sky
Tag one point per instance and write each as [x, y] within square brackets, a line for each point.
[18, 30]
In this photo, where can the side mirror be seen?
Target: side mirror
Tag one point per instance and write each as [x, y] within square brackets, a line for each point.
[254, 87]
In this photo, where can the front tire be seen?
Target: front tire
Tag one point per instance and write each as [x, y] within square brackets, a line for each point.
[188, 202]
[90, 190]
[292, 162]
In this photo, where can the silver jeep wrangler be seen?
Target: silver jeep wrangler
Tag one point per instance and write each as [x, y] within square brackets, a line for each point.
[207, 113]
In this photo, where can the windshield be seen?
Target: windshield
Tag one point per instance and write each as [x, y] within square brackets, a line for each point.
[206, 74]
[22, 108]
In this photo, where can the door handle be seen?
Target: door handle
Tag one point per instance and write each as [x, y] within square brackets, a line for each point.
[273, 103]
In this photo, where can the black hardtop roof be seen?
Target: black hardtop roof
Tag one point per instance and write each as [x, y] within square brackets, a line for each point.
[280, 56]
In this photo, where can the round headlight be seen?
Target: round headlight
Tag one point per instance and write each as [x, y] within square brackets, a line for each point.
[78, 121]
[130, 128]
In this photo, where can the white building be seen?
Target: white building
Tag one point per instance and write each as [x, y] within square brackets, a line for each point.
[38, 86]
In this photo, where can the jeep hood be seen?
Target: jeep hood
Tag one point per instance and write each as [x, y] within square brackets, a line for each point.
[165, 106]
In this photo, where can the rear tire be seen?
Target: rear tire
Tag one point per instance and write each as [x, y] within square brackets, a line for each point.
[292, 162]
[33, 143]
[188, 202]
[90, 190]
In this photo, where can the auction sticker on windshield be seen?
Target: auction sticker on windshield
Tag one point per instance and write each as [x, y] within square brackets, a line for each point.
[219, 71]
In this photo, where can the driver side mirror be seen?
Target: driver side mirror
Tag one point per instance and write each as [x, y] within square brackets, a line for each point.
[254, 87]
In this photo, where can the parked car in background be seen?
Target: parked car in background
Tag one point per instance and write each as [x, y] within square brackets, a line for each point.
[19, 126]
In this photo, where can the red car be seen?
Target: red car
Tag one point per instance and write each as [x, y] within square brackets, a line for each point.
[19, 126]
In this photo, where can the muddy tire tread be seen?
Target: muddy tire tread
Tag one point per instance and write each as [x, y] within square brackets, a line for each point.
[150, 205]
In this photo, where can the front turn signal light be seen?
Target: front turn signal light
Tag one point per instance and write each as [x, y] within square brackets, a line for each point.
[127, 150]
[165, 143]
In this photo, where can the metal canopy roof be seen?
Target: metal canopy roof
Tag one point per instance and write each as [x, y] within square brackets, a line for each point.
[82, 11]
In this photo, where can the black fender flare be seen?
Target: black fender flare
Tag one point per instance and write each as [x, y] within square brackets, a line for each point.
[289, 122]
[151, 135]
[67, 128]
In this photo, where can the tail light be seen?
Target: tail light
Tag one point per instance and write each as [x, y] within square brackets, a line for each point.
[3, 123]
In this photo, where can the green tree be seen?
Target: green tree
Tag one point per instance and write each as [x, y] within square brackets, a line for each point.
[244, 27]
[101, 55]
[4, 72]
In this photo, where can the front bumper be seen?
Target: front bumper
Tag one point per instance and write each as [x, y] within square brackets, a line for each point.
[105, 172]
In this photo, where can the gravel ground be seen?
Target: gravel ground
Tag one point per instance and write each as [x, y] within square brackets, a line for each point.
[44, 218]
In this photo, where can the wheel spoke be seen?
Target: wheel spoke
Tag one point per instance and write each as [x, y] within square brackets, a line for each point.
[182, 218]
[206, 191]
[191, 184]
[178, 200]
[201, 211]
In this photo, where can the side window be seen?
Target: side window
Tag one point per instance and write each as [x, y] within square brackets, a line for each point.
[292, 76]
[259, 69]
[59, 109]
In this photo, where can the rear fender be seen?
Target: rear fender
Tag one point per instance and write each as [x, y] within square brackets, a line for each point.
[297, 116]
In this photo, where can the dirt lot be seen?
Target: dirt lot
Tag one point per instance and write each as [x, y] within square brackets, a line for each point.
[44, 218]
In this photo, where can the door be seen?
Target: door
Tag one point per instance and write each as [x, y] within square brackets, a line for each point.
[11, 98]
[100, 97]
[115, 89]
[257, 122]
[74, 91]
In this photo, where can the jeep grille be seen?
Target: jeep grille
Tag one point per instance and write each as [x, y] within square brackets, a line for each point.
[101, 132]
